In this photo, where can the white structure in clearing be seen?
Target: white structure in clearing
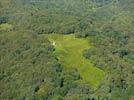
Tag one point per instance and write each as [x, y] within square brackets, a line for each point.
[54, 43]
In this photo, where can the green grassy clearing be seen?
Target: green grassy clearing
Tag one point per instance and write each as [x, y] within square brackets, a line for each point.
[69, 51]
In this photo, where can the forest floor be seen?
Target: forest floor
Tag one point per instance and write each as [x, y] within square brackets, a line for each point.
[69, 51]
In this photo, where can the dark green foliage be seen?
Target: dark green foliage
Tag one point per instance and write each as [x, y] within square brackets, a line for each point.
[87, 54]
[3, 20]
[30, 71]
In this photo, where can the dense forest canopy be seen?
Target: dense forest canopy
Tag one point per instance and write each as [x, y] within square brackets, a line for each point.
[30, 71]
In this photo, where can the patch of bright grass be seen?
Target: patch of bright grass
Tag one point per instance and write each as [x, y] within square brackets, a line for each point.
[69, 51]
[5, 27]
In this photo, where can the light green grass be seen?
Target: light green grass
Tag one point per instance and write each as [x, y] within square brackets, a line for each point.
[5, 27]
[69, 51]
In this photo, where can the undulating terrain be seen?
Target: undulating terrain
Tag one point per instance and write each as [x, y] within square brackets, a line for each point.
[66, 49]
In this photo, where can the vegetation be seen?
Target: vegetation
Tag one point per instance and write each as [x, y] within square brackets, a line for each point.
[87, 52]
[69, 52]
